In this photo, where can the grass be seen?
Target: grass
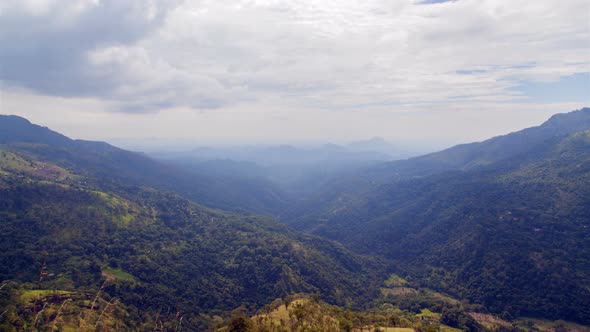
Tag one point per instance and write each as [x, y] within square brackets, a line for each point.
[398, 291]
[395, 281]
[280, 313]
[29, 296]
[123, 211]
[429, 315]
[547, 325]
[490, 321]
[284, 318]
[445, 298]
[12, 163]
[119, 274]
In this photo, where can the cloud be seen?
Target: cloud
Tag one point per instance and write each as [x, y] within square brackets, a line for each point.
[141, 56]
[430, 2]
[45, 45]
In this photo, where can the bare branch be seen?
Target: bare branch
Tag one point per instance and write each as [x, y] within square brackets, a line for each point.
[58, 313]
[39, 313]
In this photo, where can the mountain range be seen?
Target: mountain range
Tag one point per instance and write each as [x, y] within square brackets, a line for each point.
[497, 227]
[76, 212]
[504, 223]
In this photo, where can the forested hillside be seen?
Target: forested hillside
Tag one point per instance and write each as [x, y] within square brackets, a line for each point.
[352, 186]
[512, 234]
[99, 159]
[473, 155]
[98, 238]
[64, 231]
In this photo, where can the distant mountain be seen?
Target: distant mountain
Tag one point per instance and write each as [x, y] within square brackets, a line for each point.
[338, 191]
[293, 172]
[504, 223]
[380, 145]
[468, 156]
[14, 129]
[280, 155]
[99, 159]
[374, 143]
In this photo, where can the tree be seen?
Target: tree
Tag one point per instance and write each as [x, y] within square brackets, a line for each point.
[240, 324]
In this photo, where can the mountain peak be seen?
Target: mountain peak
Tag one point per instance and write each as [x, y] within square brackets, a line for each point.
[13, 119]
[15, 129]
[570, 122]
[498, 148]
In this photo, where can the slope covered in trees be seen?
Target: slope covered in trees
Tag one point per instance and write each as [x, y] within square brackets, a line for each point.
[352, 186]
[90, 239]
[65, 231]
[512, 234]
[99, 159]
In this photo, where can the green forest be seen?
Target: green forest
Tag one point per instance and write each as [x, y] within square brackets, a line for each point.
[493, 236]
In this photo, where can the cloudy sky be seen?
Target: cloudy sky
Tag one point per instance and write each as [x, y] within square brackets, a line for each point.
[279, 71]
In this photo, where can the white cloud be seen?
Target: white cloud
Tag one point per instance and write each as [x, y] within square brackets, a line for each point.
[358, 53]
[294, 58]
[44, 44]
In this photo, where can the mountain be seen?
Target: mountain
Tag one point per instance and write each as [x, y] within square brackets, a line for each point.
[79, 245]
[14, 129]
[380, 145]
[339, 191]
[504, 223]
[95, 237]
[277, 155]
[290, 172]
[99, 159]
[467, 156]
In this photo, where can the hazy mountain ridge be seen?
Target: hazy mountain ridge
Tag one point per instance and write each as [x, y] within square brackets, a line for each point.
[100, 159]
[15, 129]
[468, 156]
[285, 154]
[339, 191]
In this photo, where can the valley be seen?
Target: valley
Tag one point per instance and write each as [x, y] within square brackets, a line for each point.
[488, 236]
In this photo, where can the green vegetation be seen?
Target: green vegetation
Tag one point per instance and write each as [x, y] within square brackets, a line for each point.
[158, 251]
[511, 236]
[89, 241]
[14, 164]
[29, 296]
[99, 160]
[532, 324]
[118, 275]
[28, 309]
[395, 281]
[307, 313]
[125, 211]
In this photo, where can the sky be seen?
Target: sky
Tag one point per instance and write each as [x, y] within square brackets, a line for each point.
[270, 71]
